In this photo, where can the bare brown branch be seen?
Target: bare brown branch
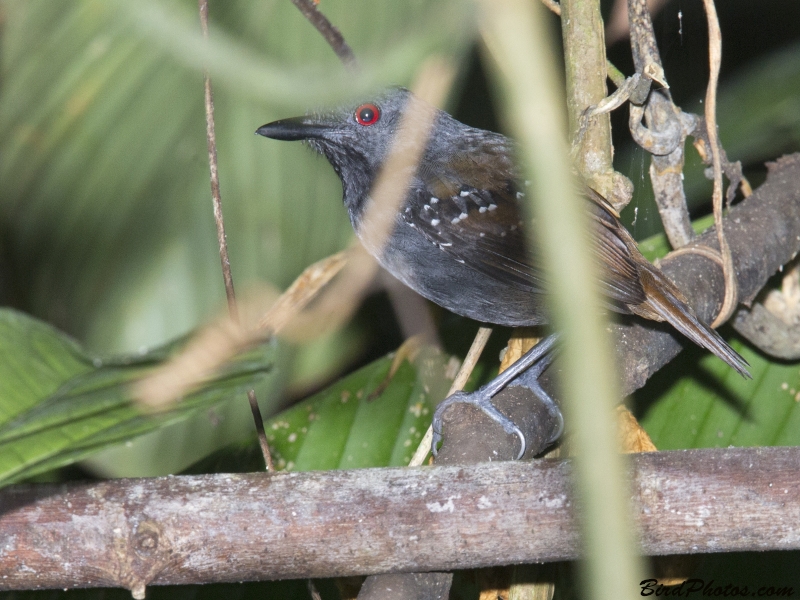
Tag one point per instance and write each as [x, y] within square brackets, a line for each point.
[133, 533]
[585, 61]
[763, 232]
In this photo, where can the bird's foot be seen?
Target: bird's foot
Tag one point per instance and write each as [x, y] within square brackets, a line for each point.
[524, 372]
[482, 400]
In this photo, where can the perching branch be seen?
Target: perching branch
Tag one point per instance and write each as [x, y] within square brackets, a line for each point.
[763, 232]
[215, 528]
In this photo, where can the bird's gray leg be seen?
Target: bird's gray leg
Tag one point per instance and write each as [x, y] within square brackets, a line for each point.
[525, 372]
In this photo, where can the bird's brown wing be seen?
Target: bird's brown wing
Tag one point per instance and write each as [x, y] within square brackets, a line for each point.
[616, 252]
[654, 296]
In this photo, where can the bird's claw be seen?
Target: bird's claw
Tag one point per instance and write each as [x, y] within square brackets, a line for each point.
[482, 401]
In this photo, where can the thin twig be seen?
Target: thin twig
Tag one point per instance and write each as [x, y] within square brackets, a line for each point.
[227, 276]
[666, 130]
[312, 590]
[330, 33]
[714, 59]
[470, 360]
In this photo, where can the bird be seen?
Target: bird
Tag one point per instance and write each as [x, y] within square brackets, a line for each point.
[459, 237]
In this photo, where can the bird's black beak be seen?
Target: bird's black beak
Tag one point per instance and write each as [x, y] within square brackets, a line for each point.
[294, 129]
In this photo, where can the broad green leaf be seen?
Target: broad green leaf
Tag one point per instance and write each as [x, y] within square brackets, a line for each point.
[106, 193]
[58, 404]
[347, 426]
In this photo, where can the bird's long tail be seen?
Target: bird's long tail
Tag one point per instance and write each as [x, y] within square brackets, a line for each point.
[669, 304]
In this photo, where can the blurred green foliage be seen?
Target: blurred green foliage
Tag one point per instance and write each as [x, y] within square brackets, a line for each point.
[105, 214]
[58, 404]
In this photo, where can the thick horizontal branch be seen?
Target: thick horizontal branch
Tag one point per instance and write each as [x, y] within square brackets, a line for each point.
[213, 528]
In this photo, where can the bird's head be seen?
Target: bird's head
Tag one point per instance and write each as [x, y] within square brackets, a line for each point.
[355, 139]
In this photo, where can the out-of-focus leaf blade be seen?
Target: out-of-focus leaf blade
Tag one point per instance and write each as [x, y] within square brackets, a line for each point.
[444, 27]
[57, 404]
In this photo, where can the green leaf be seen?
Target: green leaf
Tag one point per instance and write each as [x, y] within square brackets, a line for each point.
[697, 401]
[344, 426]
[58, 404]
[106, 205]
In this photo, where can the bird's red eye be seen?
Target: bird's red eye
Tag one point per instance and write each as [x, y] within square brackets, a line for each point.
[368, 114]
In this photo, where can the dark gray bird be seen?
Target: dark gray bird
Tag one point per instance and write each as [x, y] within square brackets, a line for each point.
[459, 237]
